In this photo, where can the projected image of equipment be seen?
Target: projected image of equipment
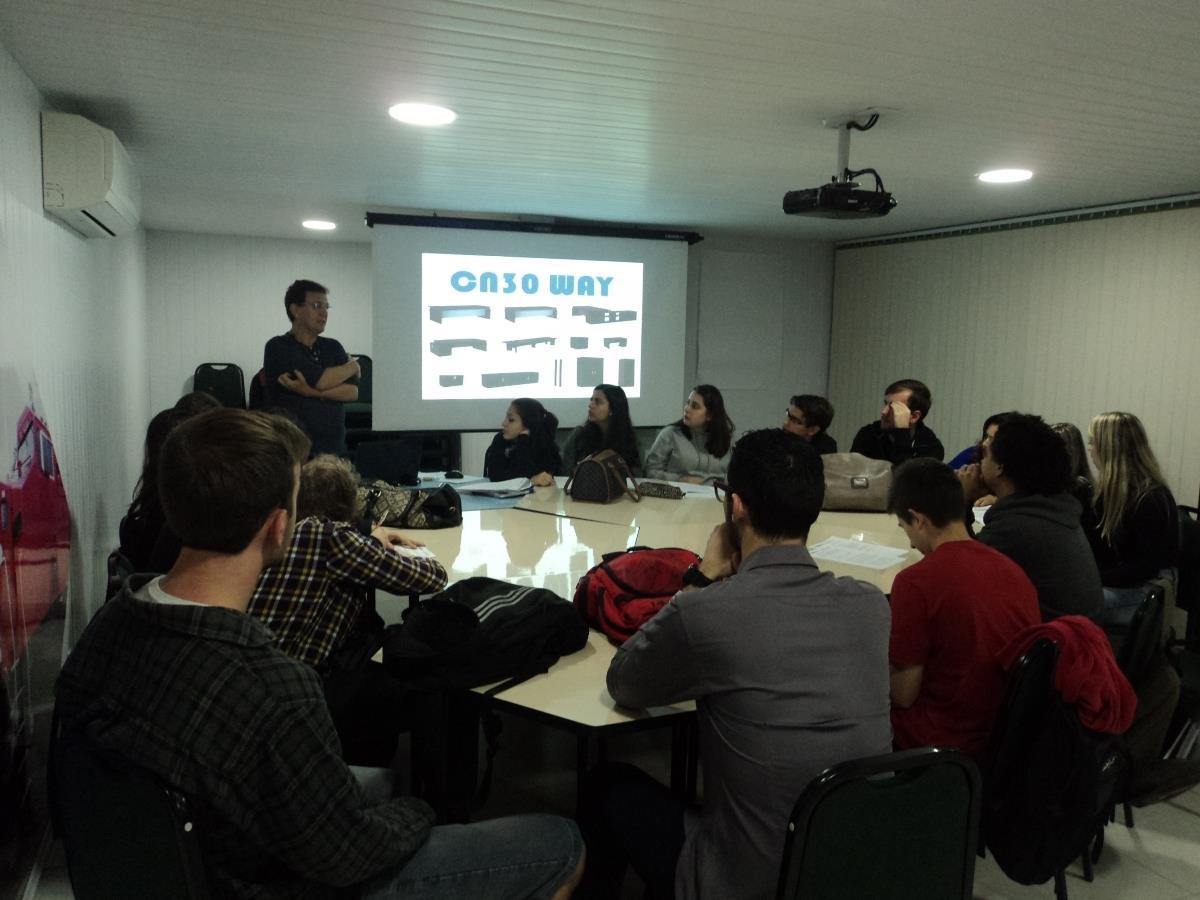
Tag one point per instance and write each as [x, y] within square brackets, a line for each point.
[450, 380]
[595, 315]
[528, 342]
[507, 379]
[625, 373]
[445, 348]
[615, 342]
[512, 313]
[441, 313]
[579, 343]
[589, 370]
[842, 198]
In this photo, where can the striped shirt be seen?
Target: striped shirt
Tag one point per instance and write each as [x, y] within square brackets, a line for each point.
[313, 599]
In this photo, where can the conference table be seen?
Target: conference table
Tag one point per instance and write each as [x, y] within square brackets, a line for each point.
[549, 540]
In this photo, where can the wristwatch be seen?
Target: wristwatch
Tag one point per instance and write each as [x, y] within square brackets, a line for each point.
[693, 577]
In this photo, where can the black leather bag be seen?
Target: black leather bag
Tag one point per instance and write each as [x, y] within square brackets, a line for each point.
[601, 478]
[398, 507]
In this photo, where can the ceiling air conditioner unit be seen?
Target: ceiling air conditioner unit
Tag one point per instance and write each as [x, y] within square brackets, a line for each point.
[88, 180]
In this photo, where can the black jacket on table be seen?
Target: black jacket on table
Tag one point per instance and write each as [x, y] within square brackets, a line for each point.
[1145, 541]
[897, 445]
[520, 459]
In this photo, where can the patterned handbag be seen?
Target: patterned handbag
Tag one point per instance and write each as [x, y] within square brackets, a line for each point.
[601, 478]
[398, 507]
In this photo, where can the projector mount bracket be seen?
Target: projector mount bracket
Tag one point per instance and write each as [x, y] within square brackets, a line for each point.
[844, 125]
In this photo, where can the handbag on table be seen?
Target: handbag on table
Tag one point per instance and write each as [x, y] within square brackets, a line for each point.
[399, 507]
[856, 482]
[601, 478]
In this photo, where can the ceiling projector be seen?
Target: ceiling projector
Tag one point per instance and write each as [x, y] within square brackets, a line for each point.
[842, 198]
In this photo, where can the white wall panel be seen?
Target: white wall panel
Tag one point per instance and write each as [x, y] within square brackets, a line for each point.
[215, 298]
[1065, 320]
[763, 312]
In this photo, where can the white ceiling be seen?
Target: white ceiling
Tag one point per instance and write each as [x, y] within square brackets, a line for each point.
[244, 116]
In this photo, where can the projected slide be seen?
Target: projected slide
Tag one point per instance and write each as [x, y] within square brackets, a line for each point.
[504, 326]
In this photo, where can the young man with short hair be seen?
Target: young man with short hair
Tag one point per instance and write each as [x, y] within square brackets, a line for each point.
[175, 678]
[952, 612]
[788, 668]
[309, 375]
[809, 416]
[1034, 521]
[901, 432]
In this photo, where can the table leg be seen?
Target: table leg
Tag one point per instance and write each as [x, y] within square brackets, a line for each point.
[581, 768]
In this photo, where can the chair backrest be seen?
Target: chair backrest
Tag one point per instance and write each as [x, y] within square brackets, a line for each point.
[1145, 636]
[119, 568]
[125, 833]
[397, 462]
[224, 381]
[899, 825]
[258, 390]
[1050, 782]
[364, 377]
[1187, 596]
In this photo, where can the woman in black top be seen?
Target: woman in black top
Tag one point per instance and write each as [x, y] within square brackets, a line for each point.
[1136, 534]
[608, 427]
[525, 446]
[1081, 487]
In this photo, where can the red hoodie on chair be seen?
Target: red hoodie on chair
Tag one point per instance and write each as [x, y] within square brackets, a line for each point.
[1086, 676]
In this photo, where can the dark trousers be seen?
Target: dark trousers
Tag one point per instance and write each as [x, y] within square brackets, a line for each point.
[629, 819]
[369, 708]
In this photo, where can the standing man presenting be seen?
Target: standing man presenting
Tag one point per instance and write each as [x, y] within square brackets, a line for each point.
[901, 432]
[309, 375]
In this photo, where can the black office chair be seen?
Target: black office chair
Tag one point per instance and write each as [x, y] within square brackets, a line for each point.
[358, 413]
[124, 832]
[1043, 768]
[224, 381]
[898, 825]
[396, 462]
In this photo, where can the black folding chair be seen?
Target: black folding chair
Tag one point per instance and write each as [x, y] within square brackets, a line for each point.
[224, 381]
[899, 825]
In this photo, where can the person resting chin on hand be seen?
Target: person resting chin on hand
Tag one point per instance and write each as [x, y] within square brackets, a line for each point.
[524, 446]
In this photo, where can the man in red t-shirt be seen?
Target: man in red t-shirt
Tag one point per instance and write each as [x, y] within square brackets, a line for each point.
[952, 612]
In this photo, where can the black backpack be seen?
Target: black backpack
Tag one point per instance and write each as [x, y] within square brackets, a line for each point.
[1051, 782]
[479, 631]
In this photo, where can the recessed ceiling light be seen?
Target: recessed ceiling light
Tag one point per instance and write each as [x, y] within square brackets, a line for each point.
[319, 224]
[422, 114]
[1005, 176]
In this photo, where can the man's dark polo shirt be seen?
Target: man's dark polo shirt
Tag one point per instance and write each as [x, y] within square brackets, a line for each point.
[323, 420]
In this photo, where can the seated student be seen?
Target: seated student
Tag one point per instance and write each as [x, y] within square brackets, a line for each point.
[1034, 521]
[901, 432]
[788, 666]
[319, 603]
[968, 460]
[146, 541]
[173, 676]
[1136, 530]
[809, 417]
[1081, 486]
[608, 427]
[696, 448]
[952, 612]
[525, 446]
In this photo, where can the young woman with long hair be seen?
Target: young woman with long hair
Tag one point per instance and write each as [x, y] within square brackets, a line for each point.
[525, 446]
[608, 427]
[1136, 531]
[696, 448]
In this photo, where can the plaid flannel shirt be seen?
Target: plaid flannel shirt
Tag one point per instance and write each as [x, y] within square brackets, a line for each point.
[200, 697]
[313, 599]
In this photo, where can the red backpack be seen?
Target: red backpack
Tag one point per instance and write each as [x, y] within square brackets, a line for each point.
[629, 587]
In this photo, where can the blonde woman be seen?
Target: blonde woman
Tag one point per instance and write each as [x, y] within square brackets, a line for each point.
[1136, 534]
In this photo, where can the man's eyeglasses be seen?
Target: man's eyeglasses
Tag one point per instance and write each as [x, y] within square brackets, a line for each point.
[319, 306]
[795, 420]
[721, 489]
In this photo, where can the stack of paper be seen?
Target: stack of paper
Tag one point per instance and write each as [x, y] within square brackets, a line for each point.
[415, 552]
[514, 487]
[857, 553]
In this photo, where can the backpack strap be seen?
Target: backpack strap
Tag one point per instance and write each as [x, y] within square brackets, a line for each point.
[492, 726]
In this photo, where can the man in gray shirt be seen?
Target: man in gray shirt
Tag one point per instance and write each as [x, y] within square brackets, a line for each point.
[789, 670]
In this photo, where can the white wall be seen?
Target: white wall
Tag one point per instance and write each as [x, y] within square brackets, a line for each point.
[71, 320]
[71, 316]
[214, 298]
[1066, 321]
[762, 313]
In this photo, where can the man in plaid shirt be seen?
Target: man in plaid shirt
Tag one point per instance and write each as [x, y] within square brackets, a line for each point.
[319, 603]
[173, 676]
